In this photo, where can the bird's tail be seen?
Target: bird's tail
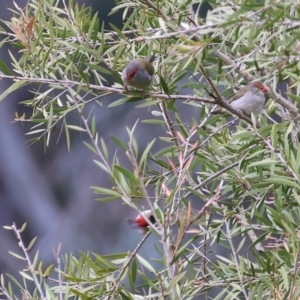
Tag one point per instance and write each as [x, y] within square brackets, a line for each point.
[152, 58]
[132, 223]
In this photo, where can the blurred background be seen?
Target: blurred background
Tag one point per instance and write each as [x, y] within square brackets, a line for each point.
[50, 188]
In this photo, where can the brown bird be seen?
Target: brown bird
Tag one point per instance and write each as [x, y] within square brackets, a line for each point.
[249, 99]
[138, 73]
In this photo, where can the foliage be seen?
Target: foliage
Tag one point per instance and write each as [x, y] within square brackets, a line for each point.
[67, 59]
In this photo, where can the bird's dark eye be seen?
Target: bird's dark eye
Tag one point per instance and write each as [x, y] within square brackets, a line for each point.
[152, 220]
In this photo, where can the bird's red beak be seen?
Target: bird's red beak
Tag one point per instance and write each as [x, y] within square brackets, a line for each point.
[264, 89]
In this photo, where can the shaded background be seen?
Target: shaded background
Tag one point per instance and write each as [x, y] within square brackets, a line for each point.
[50, 189]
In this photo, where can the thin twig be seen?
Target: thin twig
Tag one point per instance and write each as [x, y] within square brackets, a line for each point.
[212, 177]
[5, 293]
[145, 194]
[211, 83]
[205, 244]
[159, 11]
[236, 260]
[123, 269]
[293, 287]
[168, 122]
[162, 231]
[241, 217]
[57, 256]
[30, 265]
[212, 201]
[109, 90]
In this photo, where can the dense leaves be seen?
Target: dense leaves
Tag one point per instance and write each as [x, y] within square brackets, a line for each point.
[245, 172]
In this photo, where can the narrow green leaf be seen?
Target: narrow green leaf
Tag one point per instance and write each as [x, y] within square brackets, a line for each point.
[133, 271]
[31, 243]
[145, 263]
[294, 163]
[15, 86]
[119, 143]
[118, 102]
[153, 121]
[35, 260]
[265, 162]
[101, 165]
[282, 181]
[241, 244]
[15, 281]
[100, 69]
[144, 156]
[119, 53]
[48, 270]
[17, 255]
[2, 281]
[174, 281]
[67, 135]
[26, 276]
[90, 147]
[77, 128]
[93, 126]
[15, 63]
[108, 199]
[23, 227]
[50, 120]
[5, 68]
[126, 173]
[285, 278]
[104, 149]
[104, 191]
[148, 281]
[124, 100]
[148, 102]
[102, 39]
[164, 85]
[7, 227]
[36, 131]
[92, 25]
[118, 31]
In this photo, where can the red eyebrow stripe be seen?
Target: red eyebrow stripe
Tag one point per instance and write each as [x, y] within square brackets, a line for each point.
[130, 75]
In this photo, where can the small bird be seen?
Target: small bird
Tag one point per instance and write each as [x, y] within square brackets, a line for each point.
[140, 223]
[138, 73]
[249, 99]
